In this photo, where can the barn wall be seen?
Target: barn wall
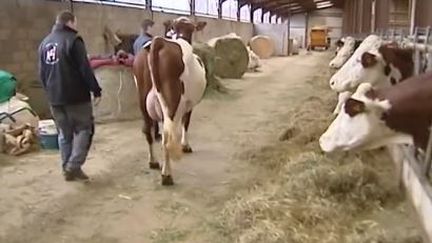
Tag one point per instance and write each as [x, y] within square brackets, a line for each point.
[298, 28]
[20, 36]
[331, 18]
[423, 16]
[357, 16]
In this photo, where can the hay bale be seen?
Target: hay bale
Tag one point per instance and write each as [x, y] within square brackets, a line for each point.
[262, 45]
[232, 57]
[208, 56]
[119, 100]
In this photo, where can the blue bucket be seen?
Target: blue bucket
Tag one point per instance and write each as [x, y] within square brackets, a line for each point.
[49, 141]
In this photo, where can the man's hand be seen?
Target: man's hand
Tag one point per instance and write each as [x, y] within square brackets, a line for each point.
[96, 100]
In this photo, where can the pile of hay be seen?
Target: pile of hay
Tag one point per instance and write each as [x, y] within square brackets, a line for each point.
[208, 56]
[301, 195]
[232, 57]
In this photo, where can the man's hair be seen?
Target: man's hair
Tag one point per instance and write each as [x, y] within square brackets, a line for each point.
[64, 17]
[146, 23]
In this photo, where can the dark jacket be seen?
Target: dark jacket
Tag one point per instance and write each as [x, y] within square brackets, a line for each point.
[64, 68]
[140, 42]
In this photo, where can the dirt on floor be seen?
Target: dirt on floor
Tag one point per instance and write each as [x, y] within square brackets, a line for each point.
[255, 153]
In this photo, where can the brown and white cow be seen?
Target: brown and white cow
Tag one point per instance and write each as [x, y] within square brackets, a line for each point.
[386, 66]
[171, 81]
[344, 49]
[371, 118]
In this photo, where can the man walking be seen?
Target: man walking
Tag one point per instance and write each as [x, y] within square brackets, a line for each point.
[144, 37]
[68, 80]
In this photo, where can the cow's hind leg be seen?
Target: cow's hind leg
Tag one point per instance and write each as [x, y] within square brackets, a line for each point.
[157, 135]
[167, 179]
[147, 130]
[185, 140]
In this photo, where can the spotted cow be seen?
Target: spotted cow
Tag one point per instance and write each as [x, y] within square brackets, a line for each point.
[371, 117]
[171, 81]
[345, 48]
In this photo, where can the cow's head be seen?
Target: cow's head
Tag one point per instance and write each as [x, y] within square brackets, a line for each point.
[182, 27]
[360, 124]
[351, 74]
[344, 52]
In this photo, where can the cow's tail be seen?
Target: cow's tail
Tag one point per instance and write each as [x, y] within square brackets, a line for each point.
[171, 141]
[170, 127]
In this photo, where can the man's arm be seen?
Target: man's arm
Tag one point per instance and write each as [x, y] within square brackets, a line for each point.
[79, 54]
[40, 66]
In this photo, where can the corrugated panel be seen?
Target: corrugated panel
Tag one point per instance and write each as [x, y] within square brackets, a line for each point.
[423, 16]
[382, 14]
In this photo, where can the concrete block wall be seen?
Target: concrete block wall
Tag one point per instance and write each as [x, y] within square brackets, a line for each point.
[25, 23]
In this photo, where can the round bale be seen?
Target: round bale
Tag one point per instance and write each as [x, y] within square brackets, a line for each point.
[208, 56]
[262, 45]
[232, 57]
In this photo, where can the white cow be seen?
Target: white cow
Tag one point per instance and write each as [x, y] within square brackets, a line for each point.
[343, 53]
[347, 77]
[361, 125]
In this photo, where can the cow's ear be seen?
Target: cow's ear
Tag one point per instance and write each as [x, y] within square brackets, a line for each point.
[200, 25]
[354, 107]
[368, 60]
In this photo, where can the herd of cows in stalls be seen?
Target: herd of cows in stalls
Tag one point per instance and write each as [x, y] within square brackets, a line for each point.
[381, 102]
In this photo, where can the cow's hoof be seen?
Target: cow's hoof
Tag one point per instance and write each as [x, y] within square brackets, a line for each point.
[167, 180]
[158, 137]
[186, 149]
[154, 166]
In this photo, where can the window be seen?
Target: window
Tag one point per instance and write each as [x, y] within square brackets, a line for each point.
[206, 7]
[267, 17]
[273, 19]
[171, 6]
[229, 9]
[245, 13]
[125, 3]
[257, 16]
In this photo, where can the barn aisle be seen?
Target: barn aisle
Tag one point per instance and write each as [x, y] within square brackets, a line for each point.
[125, 202]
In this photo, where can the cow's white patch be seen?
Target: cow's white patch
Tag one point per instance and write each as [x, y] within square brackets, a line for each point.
[348, 77]
[342, 97]
[363, 131]
[343, 53]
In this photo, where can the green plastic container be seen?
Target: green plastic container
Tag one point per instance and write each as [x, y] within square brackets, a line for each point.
[7, 86]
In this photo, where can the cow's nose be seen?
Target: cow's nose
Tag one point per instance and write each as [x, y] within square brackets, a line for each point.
[332, 83]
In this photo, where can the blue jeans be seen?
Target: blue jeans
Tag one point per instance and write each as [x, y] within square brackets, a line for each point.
[76, 128]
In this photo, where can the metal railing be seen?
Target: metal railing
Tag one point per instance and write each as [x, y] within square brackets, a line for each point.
[421, 43]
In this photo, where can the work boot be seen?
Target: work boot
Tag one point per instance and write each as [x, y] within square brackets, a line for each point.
[75, 174]
[80, 175]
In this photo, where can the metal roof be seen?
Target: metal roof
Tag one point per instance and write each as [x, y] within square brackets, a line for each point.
[286, 7]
